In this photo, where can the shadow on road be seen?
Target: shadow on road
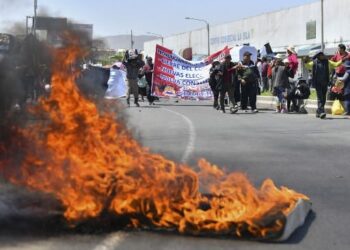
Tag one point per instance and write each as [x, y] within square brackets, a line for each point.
[183, 105]
[150, 107]
[17, 230]
[337, 118]
[301, 233]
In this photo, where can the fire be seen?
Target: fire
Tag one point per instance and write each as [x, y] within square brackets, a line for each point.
[89, 161]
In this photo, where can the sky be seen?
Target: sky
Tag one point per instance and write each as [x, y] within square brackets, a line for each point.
[114, 17]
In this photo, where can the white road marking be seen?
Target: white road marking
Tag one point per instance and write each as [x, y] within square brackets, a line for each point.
[112, 241]
[192, 135]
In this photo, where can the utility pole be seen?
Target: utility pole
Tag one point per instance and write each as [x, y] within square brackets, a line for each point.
[322, 26]
[35, 16]
[132, 40]
[158, 35]
[208, 29]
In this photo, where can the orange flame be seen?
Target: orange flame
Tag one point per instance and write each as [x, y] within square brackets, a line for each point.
[90, 163]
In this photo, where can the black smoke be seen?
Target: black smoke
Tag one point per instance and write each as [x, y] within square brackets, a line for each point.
[24, 67]
[27, 63]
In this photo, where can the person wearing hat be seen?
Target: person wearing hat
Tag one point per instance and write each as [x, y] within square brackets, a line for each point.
[280, 80]
[309, 62]
[278, 58]
[293, 60]
[320, 81]
[248, 75]
[228, 69]
[346, 89]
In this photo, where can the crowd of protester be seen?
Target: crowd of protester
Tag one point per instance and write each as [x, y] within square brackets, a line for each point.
[244, 80]
[235, 84]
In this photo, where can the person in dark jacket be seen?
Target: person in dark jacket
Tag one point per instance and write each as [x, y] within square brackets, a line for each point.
[228, 69]
[299, 92]
[248, 75]
[133, 64]
[148, 70]
[264, 69]
[280, 81]
[215, 81]
[320, 81]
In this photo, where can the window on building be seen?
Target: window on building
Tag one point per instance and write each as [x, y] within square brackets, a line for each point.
[311, 30]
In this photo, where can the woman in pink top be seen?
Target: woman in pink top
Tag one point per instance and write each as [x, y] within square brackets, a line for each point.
[341, 56]
[293, 60]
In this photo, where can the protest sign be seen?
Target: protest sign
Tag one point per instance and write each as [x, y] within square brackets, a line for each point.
[175, 76]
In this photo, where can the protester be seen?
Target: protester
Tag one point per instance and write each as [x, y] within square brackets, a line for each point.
[237, 89]
[297, 95]
[133, 63]
[337, 66]
[332, 64]
[293, 60]
[215, 82]
[260, 83]
[142, 83]
[337, 89]
[346, 89]
[341, 56]
[277, 59]
[248, 75]
[148, 70]
[264, 76]
[269, 73]
[280, 79]
[228, 69]
[320, 81]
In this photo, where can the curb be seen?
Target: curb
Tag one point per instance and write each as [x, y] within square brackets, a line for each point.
[268, 102]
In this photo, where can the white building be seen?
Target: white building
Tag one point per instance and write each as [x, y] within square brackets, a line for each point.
[298, 26]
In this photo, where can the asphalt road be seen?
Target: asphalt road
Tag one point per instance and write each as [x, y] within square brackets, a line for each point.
[309, 155]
